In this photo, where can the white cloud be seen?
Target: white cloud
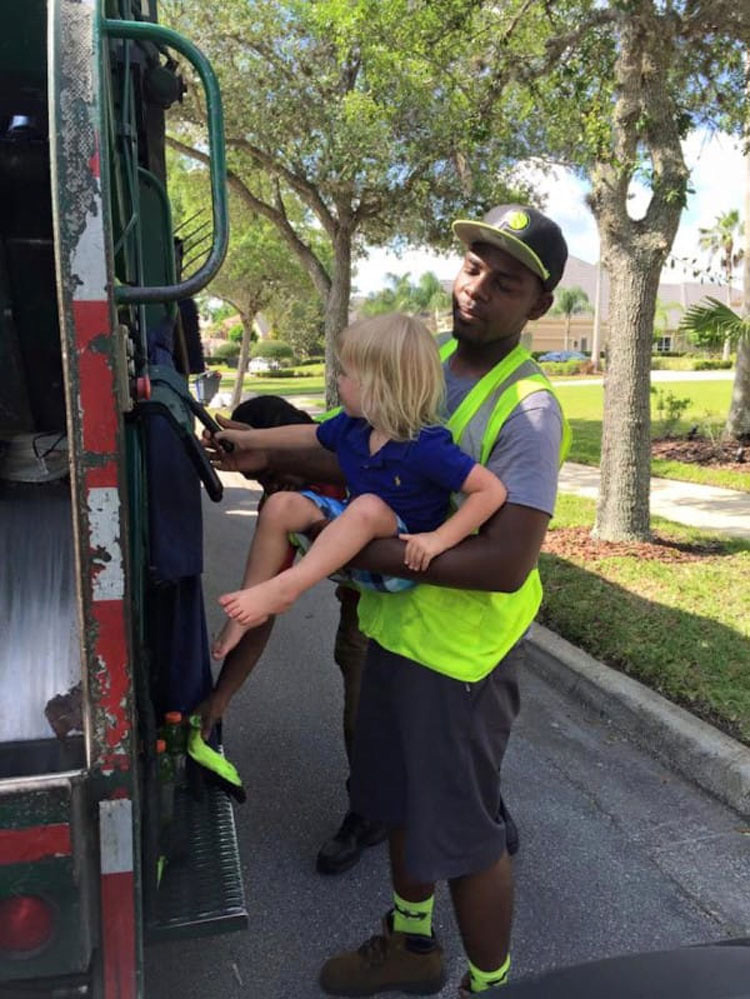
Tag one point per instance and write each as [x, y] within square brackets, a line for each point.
[717, 178]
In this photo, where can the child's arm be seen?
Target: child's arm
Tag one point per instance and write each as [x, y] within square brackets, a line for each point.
[485, 494]
[296, 435]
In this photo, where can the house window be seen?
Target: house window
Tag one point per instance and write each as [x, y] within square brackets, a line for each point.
[584, 344]
[664, 344]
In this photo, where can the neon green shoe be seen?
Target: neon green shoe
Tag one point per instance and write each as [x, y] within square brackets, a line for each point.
[224, 772]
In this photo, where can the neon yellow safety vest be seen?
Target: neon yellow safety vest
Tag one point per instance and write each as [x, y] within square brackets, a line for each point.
[465, 633]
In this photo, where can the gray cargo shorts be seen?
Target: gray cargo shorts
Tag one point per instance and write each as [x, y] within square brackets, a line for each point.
[427, 756]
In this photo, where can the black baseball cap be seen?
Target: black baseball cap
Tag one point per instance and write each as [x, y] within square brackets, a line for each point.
[523, 232]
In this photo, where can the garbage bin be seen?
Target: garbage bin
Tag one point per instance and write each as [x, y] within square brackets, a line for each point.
[206, 386]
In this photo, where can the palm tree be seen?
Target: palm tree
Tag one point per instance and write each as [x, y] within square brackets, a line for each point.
[709, 319]
[428, 295]
[570, 302]
[721, 239]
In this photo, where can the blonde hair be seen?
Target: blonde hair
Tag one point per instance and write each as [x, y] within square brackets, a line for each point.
[398, 366]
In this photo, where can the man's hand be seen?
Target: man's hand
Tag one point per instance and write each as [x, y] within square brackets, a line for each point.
[249, 462]
[211, 711]
[421, 549]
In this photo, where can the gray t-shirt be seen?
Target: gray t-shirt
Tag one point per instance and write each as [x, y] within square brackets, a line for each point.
[526, 454]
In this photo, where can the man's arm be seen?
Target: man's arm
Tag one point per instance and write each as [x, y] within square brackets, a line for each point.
[237, 667]
[499, 558]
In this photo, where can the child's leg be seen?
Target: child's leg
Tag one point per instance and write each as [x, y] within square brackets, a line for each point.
[365, 518]
[282, 513]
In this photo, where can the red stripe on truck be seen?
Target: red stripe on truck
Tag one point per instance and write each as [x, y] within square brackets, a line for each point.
[20, 846]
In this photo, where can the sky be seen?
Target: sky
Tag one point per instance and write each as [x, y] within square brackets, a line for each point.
[717, 177]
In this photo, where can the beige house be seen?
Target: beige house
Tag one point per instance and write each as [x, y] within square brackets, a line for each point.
[548, 333]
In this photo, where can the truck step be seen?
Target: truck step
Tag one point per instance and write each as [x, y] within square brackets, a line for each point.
[201, 890]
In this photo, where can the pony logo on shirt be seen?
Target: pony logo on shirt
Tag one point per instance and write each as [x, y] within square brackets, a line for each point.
[396, 480]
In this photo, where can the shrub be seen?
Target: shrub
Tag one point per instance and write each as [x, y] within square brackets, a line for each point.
[712, 364]
[227, 351]
[669, 408]
[272, 350]
[566, 367]
[235, 333]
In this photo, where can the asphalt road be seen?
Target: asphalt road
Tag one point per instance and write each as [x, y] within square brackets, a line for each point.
[617, 854]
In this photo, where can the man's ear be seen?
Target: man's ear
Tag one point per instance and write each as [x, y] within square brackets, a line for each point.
[542, 305]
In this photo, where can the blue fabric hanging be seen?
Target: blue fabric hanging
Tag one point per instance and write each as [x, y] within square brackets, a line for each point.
[175, 610]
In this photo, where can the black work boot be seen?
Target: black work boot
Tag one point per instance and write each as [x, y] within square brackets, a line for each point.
[343, 850]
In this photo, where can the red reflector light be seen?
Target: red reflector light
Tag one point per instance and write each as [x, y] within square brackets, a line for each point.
[26, 924]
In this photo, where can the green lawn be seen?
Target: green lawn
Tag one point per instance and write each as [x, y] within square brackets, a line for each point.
[680, 626]
[309, 380]
[277, 386]
[709, 405]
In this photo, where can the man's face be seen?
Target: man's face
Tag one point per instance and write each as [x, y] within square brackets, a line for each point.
[494, 295]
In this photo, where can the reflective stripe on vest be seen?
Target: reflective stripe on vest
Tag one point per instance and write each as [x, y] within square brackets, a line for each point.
[464, 633]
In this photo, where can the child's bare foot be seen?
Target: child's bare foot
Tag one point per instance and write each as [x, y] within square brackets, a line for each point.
[228, 637]
[253, 606]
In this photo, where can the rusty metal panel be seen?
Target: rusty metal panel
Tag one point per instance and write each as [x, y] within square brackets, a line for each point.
[91, 359]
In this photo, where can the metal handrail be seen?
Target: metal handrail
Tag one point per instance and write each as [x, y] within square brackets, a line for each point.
[158, 34]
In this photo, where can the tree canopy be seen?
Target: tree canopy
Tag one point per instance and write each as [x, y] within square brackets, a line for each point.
[368, 126]
[617, 85]
[427, 296]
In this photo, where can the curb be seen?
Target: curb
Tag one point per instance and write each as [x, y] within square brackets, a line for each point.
[695, 749]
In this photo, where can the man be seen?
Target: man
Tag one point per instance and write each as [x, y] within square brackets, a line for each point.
[440, 691]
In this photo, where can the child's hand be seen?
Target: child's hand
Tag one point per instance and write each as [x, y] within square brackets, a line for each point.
[249, 462]
[240, 438]
[421, 549]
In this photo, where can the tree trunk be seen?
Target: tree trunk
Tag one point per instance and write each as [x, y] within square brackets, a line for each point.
[567, 331]
[623, 509]
[738, 421]
[633, 252]
[244, 357]
[337, 309]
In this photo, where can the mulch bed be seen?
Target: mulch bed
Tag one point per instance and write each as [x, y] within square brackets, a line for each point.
[729, 455]
[577, 543]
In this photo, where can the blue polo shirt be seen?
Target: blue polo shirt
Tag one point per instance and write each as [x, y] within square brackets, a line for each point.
[415, 478]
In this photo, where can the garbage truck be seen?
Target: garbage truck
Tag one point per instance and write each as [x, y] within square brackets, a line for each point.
[110, 840]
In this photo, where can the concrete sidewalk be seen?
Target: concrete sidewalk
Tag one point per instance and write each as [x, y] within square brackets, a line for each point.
[725, 511]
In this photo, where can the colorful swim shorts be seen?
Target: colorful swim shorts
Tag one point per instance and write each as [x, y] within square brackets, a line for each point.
[362, 578]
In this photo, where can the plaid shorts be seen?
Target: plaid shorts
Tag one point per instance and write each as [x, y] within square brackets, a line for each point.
[361, 578]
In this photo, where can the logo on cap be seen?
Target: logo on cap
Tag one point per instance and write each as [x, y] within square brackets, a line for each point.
[516, 221]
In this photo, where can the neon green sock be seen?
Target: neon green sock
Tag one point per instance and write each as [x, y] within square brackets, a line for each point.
[413, 917]
[480, 981]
